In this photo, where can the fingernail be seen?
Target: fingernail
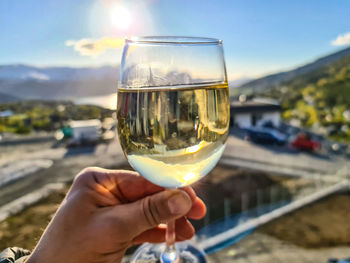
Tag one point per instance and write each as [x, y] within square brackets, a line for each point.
[178, 204]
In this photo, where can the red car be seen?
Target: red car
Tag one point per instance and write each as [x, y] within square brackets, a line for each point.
[304, 142]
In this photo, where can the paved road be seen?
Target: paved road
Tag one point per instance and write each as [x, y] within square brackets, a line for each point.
[46, 150]
[26, 159]
[35, 166]
[281, 156]
[240, 152]
[16, 160]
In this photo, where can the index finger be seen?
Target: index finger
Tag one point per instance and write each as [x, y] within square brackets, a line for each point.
[127, 185]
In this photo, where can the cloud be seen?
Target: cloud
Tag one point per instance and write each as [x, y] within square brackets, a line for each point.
[342, 40]
[95, 47]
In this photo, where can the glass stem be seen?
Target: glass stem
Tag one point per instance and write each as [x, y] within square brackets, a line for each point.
[170, 234]
[170, 254]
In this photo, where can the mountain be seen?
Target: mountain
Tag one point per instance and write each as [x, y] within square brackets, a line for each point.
[234, 84]
[62, 83]
[239, 82]
[7, 98]
[29, 82]
[278, 78]
[319, 98]
[26, 72]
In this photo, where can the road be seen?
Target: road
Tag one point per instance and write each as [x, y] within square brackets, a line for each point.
[278, 156]
[31, 165]
[35, 165]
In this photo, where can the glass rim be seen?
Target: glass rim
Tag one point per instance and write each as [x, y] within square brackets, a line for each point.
[183, 40]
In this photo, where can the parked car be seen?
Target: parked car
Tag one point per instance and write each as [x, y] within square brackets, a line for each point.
[265, 136]
[304, 142]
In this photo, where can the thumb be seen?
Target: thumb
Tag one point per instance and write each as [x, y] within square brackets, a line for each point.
[153, 210]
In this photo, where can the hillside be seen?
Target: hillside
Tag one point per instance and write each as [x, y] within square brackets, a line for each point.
[44, 115]
[320, 98]
[57, 83]
[278, 78]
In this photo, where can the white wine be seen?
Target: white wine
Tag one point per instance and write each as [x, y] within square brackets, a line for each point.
[173, 135]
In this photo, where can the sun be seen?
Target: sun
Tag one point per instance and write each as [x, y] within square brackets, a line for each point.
[120, 17]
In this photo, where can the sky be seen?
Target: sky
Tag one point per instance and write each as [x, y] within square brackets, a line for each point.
[260, 37]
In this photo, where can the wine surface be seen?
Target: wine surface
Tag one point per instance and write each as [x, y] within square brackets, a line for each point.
[172, 135]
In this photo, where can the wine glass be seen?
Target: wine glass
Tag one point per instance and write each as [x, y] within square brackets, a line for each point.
[173, 117]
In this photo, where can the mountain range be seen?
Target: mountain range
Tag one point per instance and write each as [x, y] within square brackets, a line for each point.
[18, 82]
[274, 80]
[7, 98]
[21, 82]
[319, 98]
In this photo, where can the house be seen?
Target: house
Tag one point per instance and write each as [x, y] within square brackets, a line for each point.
[6, 113]
[84, 131]
[256, 112]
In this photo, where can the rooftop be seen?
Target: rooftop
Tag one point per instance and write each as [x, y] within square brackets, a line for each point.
[255, 105]
[85, 123]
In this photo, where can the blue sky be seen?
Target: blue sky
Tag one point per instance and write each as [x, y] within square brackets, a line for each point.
[259, 37]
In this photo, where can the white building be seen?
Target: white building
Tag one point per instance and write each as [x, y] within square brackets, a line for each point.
[85, 131]
[255, 113]
[6, 113]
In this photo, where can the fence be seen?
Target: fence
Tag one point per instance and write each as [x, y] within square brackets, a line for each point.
[229, 214]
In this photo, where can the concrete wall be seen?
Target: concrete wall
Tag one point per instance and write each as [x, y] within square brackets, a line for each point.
[245, 120]
[274, 117]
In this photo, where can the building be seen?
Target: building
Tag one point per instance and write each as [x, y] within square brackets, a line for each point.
[256, 112]
[6, 113]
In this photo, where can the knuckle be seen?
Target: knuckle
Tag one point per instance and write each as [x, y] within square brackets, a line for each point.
[150, 212]
[88, 170]
[85, 173]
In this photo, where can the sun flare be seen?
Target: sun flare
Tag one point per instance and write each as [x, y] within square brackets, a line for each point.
[120, 17]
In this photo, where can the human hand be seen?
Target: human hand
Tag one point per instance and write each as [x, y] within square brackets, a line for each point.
[106, 211]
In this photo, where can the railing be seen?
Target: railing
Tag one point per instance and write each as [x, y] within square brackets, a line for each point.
[240, 217]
